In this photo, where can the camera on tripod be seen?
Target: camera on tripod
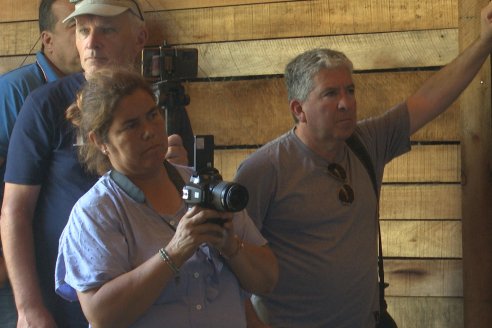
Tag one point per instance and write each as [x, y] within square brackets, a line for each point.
[166, 63]
[207, 188]
[165, 68]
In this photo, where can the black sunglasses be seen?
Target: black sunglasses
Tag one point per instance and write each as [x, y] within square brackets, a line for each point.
[345, 193]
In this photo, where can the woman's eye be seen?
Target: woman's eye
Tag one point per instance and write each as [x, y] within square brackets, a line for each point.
[154, 114]
[129, 125]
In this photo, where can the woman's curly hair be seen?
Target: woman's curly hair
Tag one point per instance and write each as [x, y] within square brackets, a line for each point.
[94, 109]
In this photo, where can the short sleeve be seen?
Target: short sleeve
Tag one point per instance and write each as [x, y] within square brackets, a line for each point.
[261, 187]
[93, 248]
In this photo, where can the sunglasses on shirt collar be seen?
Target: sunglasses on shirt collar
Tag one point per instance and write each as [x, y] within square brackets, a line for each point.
[346, 194]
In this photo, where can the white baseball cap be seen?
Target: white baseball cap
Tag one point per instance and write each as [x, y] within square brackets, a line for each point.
[104, 8]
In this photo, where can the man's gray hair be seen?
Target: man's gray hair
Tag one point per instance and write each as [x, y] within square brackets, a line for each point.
[300, 72]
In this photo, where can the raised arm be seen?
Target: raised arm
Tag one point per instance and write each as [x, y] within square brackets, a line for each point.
[444, 87]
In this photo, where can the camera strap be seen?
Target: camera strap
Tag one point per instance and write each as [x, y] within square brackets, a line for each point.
[175, 177]
[360, 151]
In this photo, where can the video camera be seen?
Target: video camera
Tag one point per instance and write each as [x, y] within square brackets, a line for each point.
[206, 187]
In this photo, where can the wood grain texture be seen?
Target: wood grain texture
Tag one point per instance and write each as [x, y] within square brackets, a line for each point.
[19, 38]
[477, 180]
[431, 278]
[367, 52]
[155, 5]
[420, 202]
[182, 21]
[429, 164]
[428, 312]
[19, 10]
[421, 239]
[12, 62]
[299, 19]
[22, 10]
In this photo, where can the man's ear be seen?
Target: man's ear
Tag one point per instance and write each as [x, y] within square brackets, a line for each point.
[46, 40]
[142, 36]
[297, 111]
[140, 42]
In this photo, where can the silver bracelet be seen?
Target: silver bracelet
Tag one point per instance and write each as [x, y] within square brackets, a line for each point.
[165, 256]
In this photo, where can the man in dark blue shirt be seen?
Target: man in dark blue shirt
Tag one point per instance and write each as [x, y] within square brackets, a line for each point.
[58, 57]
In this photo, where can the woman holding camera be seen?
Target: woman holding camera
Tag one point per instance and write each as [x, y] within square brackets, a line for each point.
[132, 253]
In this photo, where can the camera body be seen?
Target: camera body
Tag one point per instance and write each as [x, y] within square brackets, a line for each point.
[207, 189]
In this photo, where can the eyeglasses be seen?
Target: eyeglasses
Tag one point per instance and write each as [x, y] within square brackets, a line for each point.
[345, 193]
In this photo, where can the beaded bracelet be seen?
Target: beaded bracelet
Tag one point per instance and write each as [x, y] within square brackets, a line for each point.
[165, 256]
[240, 246]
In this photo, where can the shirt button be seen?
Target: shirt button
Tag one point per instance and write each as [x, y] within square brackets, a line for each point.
[196, 275]
[199, 307]
[173, 223]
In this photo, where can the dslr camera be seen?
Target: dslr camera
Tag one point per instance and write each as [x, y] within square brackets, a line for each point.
[207, 188]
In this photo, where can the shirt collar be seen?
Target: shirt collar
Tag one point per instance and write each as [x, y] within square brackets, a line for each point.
[129, 187]
[46, 67]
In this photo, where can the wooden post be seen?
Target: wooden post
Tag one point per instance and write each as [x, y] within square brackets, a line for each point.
[476, 179]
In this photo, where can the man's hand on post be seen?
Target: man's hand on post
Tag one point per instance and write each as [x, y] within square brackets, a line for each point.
[176, 153]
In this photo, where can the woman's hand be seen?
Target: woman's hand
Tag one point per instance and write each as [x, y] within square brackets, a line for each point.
[195, 229]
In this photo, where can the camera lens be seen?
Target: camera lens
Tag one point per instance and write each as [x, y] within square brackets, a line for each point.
[229, 196]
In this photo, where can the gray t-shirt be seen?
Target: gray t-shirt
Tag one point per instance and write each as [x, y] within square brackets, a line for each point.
[327, 251]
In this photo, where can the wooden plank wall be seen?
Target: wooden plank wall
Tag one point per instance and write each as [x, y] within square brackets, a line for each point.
[476, 154]
[240, 98]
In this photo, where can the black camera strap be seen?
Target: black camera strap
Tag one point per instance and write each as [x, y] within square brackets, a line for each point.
[175, 177]
[360, 151]
[177, 181]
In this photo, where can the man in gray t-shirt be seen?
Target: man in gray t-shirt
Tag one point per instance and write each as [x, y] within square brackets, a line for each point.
[312, 197]
[326, 248]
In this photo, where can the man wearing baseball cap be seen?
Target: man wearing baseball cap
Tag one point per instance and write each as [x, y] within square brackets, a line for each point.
[43, 176]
